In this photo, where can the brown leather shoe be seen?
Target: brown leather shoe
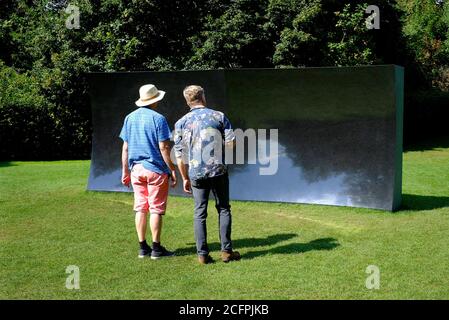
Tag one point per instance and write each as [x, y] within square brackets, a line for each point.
[230, 256]
[205, 259]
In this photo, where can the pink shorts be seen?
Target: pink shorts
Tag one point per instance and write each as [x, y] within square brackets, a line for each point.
[150, 190]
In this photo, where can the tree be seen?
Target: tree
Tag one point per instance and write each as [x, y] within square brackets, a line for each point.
[426, 28]
[297, 25]
[233, 37]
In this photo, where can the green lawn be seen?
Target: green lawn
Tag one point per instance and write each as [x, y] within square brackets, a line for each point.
[48, 222]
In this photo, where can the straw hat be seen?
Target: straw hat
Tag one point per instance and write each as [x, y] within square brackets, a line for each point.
[149, 94]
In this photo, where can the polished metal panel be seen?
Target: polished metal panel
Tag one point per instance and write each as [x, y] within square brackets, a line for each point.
[339, 130]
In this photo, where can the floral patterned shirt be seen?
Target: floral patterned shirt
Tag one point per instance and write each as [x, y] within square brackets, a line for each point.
[200, 137]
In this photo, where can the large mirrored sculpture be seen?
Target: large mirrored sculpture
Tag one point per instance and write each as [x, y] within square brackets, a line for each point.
[323, 135]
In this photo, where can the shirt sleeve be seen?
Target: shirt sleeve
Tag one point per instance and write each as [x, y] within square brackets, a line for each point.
[163, 132]
[228, 131]
[124, 133]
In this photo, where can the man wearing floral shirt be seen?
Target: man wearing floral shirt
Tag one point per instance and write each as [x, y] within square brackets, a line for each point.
[200, 138]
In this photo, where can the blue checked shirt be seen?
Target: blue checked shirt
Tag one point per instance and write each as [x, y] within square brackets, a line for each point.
[143, 129]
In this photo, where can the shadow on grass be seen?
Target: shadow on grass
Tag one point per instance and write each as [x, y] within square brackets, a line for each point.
[427, 143]
[413, 202]
[291, 248]
[241, 243]
[6, 164]
[294, 248]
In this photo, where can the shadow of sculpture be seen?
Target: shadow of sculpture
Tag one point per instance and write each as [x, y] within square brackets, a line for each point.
[413, 202]
[291, 248]
[241, 243]
[6, 164]
[295, 248]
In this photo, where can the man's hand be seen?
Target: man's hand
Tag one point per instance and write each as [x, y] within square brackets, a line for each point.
[187, 186]
[126, 178]
[174, 181]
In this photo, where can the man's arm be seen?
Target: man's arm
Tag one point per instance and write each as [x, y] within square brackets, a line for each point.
[126, 179]
[181, 157]
[185, 175]
[229, 135]
[164, 147]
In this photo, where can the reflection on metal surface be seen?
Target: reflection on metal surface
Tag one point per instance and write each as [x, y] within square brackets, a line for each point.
[339, 129]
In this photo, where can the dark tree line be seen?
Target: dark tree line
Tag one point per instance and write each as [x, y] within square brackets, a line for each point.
[44, 104]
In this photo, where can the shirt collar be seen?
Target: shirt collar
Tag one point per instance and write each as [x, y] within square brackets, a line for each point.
[198, 106]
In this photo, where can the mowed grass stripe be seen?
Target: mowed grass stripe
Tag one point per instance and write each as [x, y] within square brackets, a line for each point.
[290, 251]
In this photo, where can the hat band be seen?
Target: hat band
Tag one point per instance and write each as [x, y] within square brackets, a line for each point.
[146, 99]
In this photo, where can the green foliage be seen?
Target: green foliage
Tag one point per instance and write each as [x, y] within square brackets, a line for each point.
[26, 124]
[300, 42]
[354, 45]
[43, 57]
[142, 35]
[236, 38]
[21, 90]
[426, 28]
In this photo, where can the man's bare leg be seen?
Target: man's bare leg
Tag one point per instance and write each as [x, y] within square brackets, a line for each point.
[141, 225]
[156, 227]
[141, 228]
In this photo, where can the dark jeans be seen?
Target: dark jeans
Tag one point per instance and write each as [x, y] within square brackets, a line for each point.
[220, 189]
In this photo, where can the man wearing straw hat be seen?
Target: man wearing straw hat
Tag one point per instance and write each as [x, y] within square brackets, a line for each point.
[146, 164]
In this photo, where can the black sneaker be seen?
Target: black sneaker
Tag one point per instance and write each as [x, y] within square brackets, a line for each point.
[143, 253]
[161, 252]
